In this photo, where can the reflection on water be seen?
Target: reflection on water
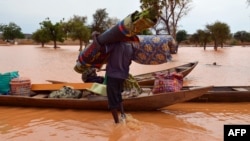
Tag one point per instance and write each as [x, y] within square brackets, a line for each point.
[180, 122]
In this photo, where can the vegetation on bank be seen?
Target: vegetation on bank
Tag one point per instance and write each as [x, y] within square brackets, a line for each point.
[216, 34]
[169, 12]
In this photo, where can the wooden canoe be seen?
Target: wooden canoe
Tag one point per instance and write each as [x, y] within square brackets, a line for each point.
[224, 94]
[147, 79]
[144, 102]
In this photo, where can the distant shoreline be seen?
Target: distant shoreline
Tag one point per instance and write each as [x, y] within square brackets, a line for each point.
[76, 42]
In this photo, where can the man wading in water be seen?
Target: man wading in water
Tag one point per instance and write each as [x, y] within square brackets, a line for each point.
[117, 70]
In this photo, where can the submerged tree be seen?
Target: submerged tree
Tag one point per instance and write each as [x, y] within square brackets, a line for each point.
[194, 38]
[181, 35]
[220, 32]
[41, 36]
[204, 37]
[76, 29]
[55, 31]
[242, 36]
[100, 21]
[11, 31]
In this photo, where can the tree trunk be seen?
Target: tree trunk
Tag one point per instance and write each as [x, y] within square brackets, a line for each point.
[173, 20]
[215, 45]
[215, 48]
[221, 44]
[80, 49]
[55, 46]
[205, 44]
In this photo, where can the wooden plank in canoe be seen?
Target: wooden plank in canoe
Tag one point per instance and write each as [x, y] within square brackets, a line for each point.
[42, 87]
[240, 89]
[182, 68]
[40, 96]
[56, 81]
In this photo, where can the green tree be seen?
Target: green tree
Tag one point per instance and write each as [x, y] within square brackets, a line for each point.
[112, 22]
[1, 27]
[11, 31]
[55, 31]
[181, 35]
[242, 36]
[41, 36]
[204, 37]
[101, 21]
[77, 30]
[194, 39]
[220, 32]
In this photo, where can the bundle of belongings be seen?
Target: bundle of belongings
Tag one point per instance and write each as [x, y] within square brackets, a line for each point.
[94, 55]
[69, 92]
[170, 82]
[149, 49]
[131, 88]
[97, 91]
[66, 92]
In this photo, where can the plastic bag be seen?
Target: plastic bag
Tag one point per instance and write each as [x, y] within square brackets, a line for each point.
[5, 80]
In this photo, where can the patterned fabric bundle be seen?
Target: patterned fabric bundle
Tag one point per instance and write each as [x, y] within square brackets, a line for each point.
[167, 82]
[153, 49]
[94, 55]
[148, 50]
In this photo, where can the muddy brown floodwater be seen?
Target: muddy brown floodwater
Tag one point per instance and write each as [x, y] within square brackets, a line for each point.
[179, 122]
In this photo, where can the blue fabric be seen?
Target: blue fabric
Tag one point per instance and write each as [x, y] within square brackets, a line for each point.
[152, 49]
[111, 35]
[5, 80]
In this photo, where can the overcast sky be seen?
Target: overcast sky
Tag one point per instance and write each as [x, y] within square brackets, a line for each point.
[29, 13]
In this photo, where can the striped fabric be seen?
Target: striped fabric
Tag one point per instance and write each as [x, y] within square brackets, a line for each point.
[123, 29]
[93, 56]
